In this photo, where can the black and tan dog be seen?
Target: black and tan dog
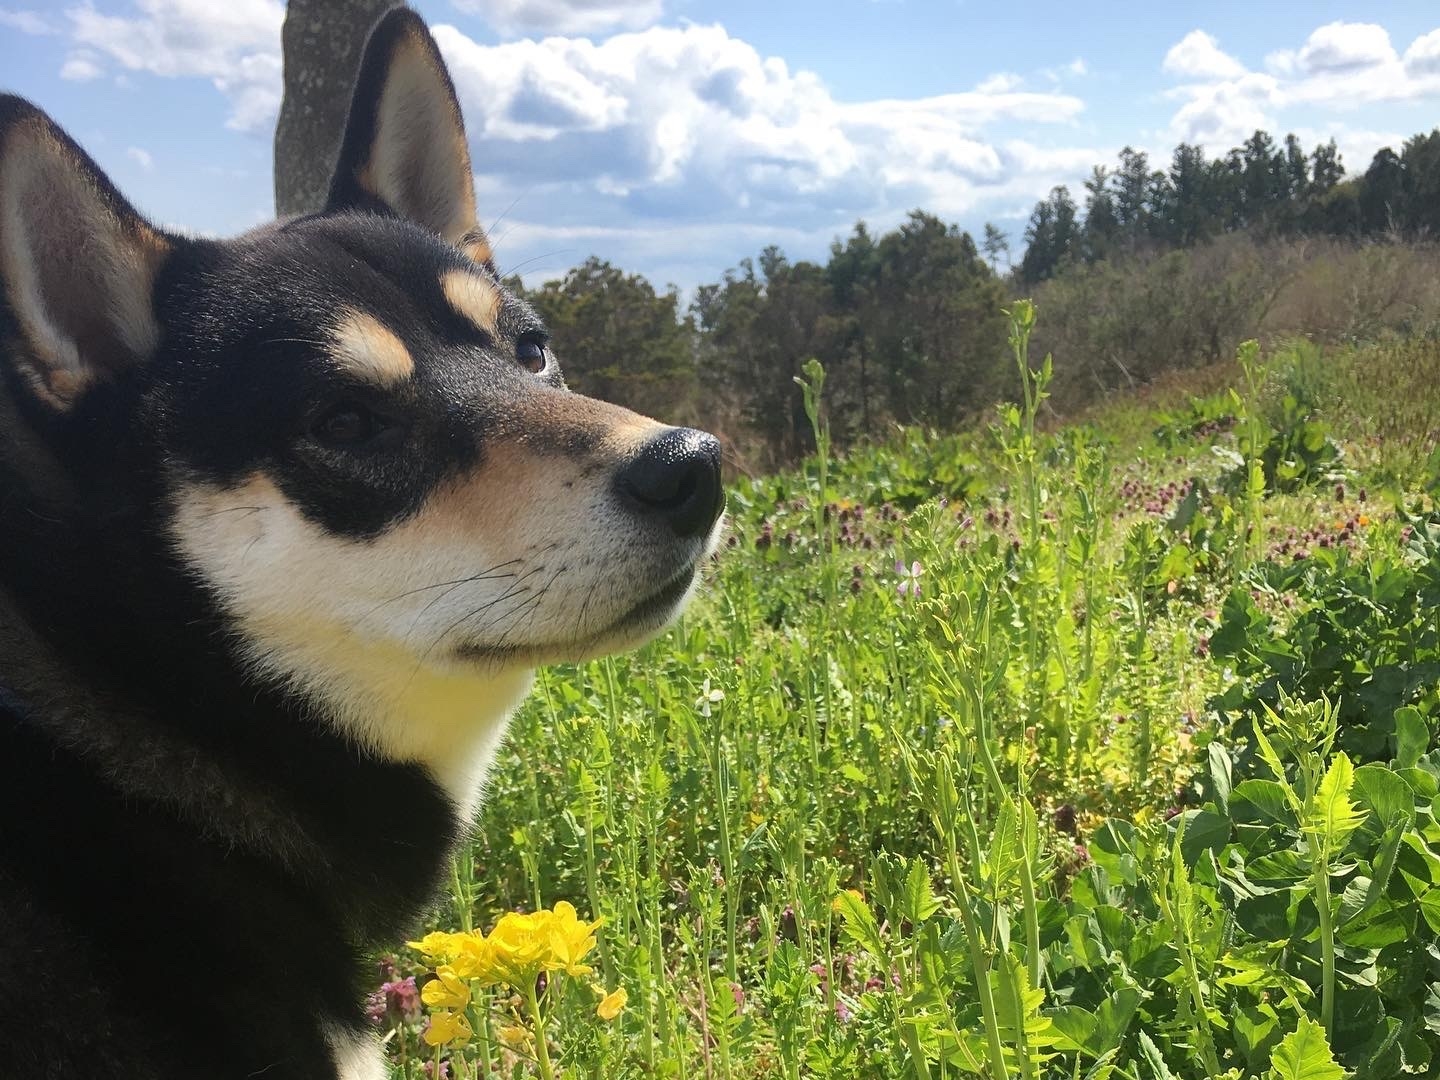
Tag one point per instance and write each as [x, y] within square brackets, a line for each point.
[286, 523]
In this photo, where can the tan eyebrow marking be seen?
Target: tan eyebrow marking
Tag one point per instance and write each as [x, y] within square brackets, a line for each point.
[476, 248]
[365, 347]
[473, 297]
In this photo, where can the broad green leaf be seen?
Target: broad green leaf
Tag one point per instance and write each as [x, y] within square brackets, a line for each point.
[1002, 856]
[853, 773]
[1078, 1026]
[1430, 909]
[1367, 920]
[858, 922]
[1304, 1055]
[1117, 929]
[1333, 817]
[1384, 792]
[1412, 737]
[968, 1054]
[918, 902]
[1264, 801]
[1269, 917]
[1221, 772]
[1255, 1028]
[1112, 846]
[1204, 829]
[1113, 1018]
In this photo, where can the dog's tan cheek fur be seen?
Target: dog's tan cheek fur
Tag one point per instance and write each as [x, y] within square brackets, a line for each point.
[319, 612]
[299, 598]
[527, 490]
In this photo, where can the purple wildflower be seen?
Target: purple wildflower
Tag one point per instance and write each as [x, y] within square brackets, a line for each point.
[402, 1000]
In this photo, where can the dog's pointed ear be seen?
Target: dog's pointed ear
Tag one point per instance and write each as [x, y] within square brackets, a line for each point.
[77, 263]
[404, 149]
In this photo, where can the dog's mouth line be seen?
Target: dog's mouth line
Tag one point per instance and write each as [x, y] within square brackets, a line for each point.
[662, 599]
[650, 609]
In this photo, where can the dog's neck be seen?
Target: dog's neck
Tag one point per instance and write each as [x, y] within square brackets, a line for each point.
[244, 764]
[140, 755]
[445, 717]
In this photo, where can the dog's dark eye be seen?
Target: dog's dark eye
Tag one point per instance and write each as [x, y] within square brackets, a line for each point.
[530, 352]
[347, 424]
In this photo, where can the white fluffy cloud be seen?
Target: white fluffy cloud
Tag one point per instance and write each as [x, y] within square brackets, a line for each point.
[1198, 55]
[563, 16]
[81, 66]
[235, 44]
[1339, 66]
[1423, 56]
[27, 22]
[1343, 47]
[661, 136]
[690, 123]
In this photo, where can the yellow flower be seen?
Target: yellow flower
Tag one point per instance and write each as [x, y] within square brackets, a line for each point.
[448, 1027]
[570, 940]
[447, 990]
[436, 945]
[471, 956]
[516, 951]
[614, 1001]
[520, 947]
[514, 1036]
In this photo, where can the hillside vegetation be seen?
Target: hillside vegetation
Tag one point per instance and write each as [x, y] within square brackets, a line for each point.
[1161, 269]
[1031, 751]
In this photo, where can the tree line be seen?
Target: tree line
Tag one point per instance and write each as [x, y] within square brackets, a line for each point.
[1263, 188]
[908, 323]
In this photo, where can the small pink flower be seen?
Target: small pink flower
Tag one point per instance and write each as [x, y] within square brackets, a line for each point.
[909, 578]
[402, 1000]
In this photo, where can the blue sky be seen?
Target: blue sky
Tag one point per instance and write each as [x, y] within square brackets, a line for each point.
[675, 137]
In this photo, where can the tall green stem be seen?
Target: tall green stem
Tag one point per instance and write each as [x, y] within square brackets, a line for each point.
[945, 816]
[1327, 943]
[542, 1047]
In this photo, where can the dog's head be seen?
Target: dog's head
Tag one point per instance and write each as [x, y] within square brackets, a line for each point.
[347, 431]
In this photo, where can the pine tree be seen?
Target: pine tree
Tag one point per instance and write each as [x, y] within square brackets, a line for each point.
[1326, 168]
[1192, 213]
[996, 243]
[1039, 260]
[1102, 227]
[1132, 184]
[1381, 193]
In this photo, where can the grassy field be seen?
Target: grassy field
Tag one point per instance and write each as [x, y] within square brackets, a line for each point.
[1038, 751]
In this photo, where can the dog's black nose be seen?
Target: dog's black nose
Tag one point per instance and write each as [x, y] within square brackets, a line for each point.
[677, 477]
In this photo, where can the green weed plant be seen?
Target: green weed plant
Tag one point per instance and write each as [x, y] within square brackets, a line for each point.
[1017, 754]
